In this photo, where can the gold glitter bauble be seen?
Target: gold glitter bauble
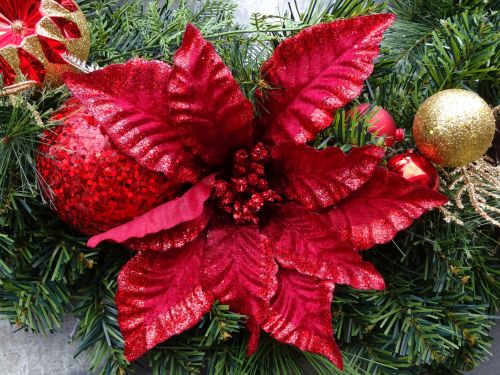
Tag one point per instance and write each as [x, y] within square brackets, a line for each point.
[454, 127]
[36, 33]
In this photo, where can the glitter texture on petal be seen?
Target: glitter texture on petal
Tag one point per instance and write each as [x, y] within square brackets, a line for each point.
[300, 314]
[159, 296]
[319, 179]
[206, 102]
[130, 102]
[185, 209]
[304, 241]
[316, 72]
[382, 207]
[240, 271]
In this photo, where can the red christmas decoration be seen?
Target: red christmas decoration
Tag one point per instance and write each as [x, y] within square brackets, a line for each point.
[91, 184]
[415, 168]
[380, 122]
[33, 36]
[269, 225]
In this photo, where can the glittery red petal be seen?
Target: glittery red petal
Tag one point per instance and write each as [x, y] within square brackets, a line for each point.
[319, 179]
[318, 71]
[53, 49]
[303, 240]
[240, 271]
[130, 102]
[30, 66]
[380, 208]
[183, 210]
[159, 296]
[68, 28]
[300, 314]
[68, 5]
[206, 101]
[176, 237]
[8, 74]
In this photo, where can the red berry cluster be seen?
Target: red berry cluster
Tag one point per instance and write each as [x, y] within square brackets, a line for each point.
[247, 190]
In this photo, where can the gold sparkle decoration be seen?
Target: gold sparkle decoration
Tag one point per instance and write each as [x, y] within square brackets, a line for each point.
[16, 88]
[454, 127]
[477, 185]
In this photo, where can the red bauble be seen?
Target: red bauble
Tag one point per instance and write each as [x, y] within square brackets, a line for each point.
[415, 168]
[381, 123]
[93, 186]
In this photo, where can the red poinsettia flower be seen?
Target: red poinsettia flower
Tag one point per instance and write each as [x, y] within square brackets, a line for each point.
[269, 225]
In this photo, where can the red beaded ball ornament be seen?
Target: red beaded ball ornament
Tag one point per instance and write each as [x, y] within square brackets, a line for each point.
[415, 168]
[93, 186]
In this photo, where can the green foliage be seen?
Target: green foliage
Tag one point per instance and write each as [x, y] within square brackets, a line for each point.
[148, 29]
[349, 129]
[97, 330]
[443, 281]
[443, 289]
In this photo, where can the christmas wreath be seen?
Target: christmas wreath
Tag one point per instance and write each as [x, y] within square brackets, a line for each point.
[242, 208]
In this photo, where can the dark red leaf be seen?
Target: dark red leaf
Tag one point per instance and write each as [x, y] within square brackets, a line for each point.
[318, 71]
[300, 314]
[184, 210]
[380, 208]
[130, 102]
[159, 296]
[176, 237]
[240, 271]
[319, 179]
[206, 101]
[303, 240]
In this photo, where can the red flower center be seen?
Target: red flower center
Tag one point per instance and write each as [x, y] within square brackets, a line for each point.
[18, 20]
[246, 190]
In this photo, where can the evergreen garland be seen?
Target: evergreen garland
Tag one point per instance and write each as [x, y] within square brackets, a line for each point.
[443, 279]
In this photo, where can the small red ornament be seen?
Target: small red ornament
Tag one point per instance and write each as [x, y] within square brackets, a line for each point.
[415, 168]
[92, 185]
[380, 121]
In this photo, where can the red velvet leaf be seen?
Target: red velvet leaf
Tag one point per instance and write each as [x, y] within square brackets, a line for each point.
[380, 208]
[159, 296]
[319, 179]
[303, 240]
[318, 71]
[176, 237]
[130, 102]
[300, 314]
[183, 210]
[206, 101]
[240, 271]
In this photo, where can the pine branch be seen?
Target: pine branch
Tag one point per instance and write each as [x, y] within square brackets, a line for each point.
[97, 328]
